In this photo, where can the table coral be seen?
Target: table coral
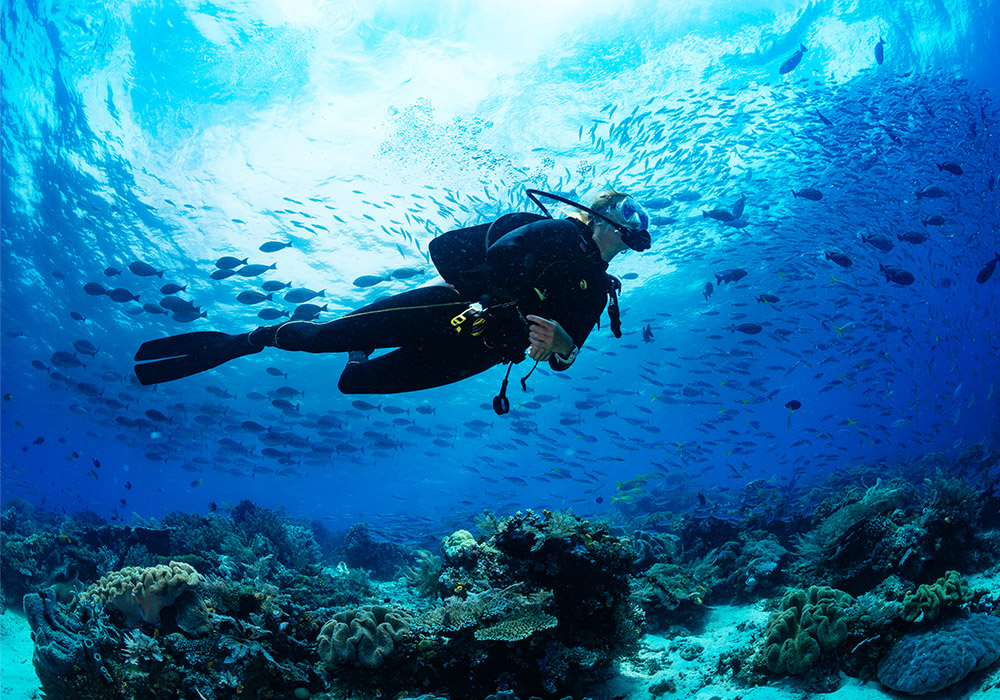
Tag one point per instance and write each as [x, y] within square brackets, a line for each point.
[141, 593]
[935, 658]
[517, 628]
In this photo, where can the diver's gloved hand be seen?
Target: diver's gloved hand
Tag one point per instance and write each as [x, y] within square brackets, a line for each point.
[547, 337]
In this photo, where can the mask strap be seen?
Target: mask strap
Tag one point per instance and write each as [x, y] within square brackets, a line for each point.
[533, 196]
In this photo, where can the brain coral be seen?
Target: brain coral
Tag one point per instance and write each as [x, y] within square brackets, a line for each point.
[932, 659]
[362, 637]
[141, 593]
[807, 622]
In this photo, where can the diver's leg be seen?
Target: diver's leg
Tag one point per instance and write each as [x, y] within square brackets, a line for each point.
[416, 368]
[409, 318]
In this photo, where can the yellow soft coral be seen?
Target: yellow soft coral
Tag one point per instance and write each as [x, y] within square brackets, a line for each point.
[141, 593]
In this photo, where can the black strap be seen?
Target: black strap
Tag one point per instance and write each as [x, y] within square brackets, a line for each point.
[628, 235]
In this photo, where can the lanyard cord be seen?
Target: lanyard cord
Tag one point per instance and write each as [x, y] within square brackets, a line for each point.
[524, 379]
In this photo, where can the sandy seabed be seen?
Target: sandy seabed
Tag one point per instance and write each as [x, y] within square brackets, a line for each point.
[17, 676]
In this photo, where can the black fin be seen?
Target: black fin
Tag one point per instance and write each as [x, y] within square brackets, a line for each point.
[178, 356]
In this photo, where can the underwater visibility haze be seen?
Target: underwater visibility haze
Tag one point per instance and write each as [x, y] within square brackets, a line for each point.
[805, 400]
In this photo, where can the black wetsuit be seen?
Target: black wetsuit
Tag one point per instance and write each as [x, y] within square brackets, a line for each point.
[547, 267]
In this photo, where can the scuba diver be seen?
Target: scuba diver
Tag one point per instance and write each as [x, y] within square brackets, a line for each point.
[522, 282]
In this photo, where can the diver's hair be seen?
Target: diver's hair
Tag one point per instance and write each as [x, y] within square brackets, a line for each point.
[603, 202]
[606, 200]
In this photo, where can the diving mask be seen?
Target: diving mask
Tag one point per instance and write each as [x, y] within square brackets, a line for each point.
[633, 214]
[635, 232]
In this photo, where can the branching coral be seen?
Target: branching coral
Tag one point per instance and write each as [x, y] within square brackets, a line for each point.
[141, 649]
[955, 499]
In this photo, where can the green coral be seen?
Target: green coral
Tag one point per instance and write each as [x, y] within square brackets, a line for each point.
[927, 601]
[807, 623]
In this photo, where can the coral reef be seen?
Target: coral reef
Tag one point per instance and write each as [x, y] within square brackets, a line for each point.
[246, 602]
[508, 593]
[932, 659]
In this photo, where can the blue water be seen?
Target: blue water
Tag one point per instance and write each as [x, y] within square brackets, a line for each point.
[176, 133]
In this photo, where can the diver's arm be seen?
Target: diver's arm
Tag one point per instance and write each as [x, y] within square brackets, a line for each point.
[577, 323]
